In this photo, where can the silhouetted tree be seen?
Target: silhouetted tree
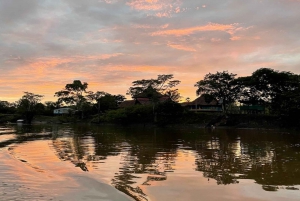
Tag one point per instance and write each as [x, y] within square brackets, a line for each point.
[173, 94]
[7, 107]
[220, 86]
[104, 101]
[119, 99]
[29, 104]
[96, 98]
[164, 84]
[154, 89]
[267, 86]
[270, 82]
[73, 94]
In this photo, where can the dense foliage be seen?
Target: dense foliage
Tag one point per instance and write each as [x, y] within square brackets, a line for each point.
[164, 85]
[219, 86]
[168, 112]
[277, 91]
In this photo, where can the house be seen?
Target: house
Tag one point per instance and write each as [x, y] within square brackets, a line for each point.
[147, 97]
[64, 110]
[201, 104]
[127, 103]
[150, 95]
[252, 107]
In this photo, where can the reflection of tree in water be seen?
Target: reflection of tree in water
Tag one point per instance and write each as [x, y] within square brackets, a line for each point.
[67, 147]
[24, 133]
[227, 157]
[215, 161]
[283, 170]
[84, 146]
[143, 161]
[269, 160]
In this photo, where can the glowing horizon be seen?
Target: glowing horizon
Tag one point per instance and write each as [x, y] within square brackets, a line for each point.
[111, 43]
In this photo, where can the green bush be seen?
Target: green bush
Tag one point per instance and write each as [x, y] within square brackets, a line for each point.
[169, 113]
[162, 114]
[130, 115]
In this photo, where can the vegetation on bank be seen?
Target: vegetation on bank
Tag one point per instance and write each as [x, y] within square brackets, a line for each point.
[135, 116]
[278, 92]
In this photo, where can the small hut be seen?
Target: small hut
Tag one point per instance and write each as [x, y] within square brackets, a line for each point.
[203, 104]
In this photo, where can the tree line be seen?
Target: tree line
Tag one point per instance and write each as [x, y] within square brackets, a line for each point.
[278, 91]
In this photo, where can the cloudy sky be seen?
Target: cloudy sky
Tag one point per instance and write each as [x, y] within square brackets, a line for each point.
[45, 44]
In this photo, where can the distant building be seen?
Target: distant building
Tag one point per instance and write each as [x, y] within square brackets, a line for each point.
[64, 110]
[127, 103]
[252, 107]
[145, 98]
[200, 104]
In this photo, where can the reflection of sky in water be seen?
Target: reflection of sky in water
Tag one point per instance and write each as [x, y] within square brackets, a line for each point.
[144, 161]
[136, 161]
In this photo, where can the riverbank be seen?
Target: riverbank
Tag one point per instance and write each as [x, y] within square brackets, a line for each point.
[190, 119]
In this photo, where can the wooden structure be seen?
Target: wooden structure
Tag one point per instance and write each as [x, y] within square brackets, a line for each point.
[147, 97]
[201, 104]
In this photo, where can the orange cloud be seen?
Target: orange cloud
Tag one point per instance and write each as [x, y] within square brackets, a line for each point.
[146, 4]
[233, 38]
[132, 68]
[182, 47]
[229, 28]
[161, 8]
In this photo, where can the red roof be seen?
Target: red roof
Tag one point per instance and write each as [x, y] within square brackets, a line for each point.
[144, 101]
[127, 103]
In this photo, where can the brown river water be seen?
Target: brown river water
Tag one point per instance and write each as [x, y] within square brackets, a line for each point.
[115, 163]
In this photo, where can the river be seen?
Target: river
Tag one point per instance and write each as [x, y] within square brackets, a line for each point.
[91, 162]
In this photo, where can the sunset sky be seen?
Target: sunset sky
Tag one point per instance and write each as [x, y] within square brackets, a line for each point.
[45, 44]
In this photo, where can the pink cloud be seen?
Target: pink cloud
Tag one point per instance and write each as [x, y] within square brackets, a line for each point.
[146, 4]
[236, 38]
[229, 28]
[182, 47]
[133, 68]
[161, 8]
